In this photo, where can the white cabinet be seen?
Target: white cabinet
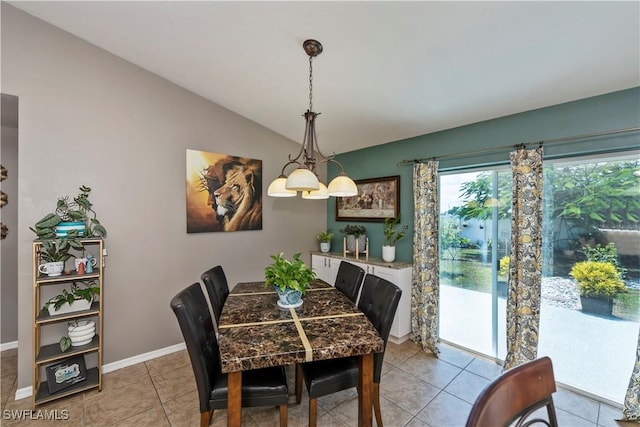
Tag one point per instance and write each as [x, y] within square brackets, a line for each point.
[399, 273]
[326, 268]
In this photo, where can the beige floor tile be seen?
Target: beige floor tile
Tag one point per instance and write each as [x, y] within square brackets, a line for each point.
[398, 353]
[416, 422]
[454, 356]
[298, 415]
[467, 386]
[608, 415]
[124, 376]
[170, 362]
[111, 406]
[6, 386]
[406, 390]
[265, 416]
[430, 369]
[154, 417]
[445, 410]
[184, 411]
[484, 368]
[175, 383]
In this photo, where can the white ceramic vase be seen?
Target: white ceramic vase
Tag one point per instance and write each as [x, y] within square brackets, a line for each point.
[325, 247]
[388, 253]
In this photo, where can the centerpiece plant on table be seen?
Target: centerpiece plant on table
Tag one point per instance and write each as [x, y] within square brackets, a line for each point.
[290, 278]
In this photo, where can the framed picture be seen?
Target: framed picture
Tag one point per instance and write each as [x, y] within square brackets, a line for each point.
[66, 373]
[377, 200]
[224, 192]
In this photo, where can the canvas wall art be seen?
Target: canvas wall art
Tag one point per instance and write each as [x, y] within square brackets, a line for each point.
[377, 199]
[224, 192]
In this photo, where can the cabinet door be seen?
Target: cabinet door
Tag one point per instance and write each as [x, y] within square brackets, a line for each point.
[321, 265]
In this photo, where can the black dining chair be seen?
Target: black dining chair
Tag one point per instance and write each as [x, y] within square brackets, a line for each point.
[513, 397]
[379, 301]
[260, 387]
[349, 280]
[215, 281]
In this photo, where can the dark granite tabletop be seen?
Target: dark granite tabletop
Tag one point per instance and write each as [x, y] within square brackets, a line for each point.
[255, 333]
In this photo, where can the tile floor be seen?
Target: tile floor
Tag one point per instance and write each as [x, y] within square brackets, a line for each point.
[417, 390]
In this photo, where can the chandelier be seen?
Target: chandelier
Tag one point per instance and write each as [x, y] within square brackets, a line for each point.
[304, 177]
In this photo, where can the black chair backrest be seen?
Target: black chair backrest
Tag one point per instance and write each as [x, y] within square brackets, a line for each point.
[379, 300]
[190, 307]
[349, 280]
[515, 395]
[215, 281]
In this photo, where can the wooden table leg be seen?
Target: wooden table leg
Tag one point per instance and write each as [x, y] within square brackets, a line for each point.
[234, 399]
[365, 384]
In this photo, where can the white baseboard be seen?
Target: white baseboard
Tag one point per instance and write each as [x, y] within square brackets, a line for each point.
[398, 340]
[8, 345]
[114, 366]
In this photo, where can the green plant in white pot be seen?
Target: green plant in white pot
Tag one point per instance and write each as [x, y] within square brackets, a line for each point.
[290, 278]
[78, 297]
[325, 238]
[392, 236]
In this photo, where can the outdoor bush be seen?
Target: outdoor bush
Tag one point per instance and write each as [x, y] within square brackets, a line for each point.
[607, 253]
[504, 266]
[597, 279]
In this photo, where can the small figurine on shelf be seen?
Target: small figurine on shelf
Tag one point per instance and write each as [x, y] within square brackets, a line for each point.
[90, 263]
[81, 268]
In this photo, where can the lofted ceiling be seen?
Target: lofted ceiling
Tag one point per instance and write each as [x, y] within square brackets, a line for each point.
[390, 70]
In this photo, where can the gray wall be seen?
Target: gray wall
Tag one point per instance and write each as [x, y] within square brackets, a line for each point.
[88, 117]
[9, 215]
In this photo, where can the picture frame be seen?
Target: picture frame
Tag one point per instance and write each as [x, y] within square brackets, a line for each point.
[377, 200]
[65, 373]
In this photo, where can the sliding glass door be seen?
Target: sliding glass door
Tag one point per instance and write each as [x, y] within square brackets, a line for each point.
[475, 209]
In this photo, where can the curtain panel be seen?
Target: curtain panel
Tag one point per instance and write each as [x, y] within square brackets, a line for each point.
[631, 410]
[525, 272]
[425, 289]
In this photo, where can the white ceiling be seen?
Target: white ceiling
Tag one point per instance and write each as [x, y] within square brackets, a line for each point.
[389, 70]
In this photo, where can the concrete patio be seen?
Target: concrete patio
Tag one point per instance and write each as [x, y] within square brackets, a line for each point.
[590, 353]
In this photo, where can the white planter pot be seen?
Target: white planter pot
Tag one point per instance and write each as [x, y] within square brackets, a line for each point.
[389, 253]
[325, 247]
[51, 269]
[77, 305]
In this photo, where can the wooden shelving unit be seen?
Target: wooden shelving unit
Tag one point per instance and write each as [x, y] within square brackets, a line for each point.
[46, 354]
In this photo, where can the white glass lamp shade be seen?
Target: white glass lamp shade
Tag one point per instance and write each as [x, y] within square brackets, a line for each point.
[320, 193]
[277, 188]
[302, 179]
[342, 186]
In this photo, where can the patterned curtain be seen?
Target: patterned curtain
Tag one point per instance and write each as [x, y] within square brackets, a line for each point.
[525, 272]
[425, 289]
[631, 409]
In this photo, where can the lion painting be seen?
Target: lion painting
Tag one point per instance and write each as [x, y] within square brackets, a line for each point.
[234, 185]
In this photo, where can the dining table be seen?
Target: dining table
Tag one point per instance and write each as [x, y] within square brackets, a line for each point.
[254, 332]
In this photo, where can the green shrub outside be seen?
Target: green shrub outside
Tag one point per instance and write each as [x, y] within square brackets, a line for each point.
[597, 279]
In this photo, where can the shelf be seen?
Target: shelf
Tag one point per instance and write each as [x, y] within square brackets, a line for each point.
[44, 317]
[92, 381]
[43, 279]
[51, 352]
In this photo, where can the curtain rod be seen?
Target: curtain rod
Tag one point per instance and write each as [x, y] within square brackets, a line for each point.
[496, 149]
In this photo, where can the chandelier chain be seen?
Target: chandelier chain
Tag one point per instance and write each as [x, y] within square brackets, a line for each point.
[310, 83]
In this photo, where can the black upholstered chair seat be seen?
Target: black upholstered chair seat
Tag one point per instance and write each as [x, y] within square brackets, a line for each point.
[326, 376]
[262, 387]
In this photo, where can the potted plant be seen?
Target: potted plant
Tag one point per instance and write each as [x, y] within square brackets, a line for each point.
[325, 240]
[503, 275]
[290, 278]
[391, 236]
[78, 298]
[54, 253]
[598, 283]
[355, 233]
[71, 216]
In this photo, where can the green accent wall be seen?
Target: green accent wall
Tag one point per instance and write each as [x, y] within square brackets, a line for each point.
[613, 111]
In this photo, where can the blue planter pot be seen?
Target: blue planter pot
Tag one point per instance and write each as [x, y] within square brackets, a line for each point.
[64, 227]
[288, 298]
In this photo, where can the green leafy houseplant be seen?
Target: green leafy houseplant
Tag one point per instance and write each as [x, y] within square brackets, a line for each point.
[87, 291]
[293, 274]
[325, 236]
[391, 234]
[353, 230]
[597, 279]
[55, 250]
[79, 209]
